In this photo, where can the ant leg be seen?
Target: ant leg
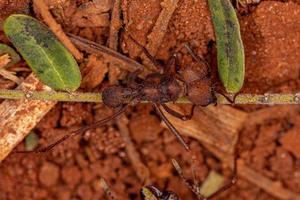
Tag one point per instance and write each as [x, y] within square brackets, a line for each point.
[171, 62]
[193, 188]
[234, 177]
[170, 126]
[132, 78]
[230, 183]
[106, 189]
[199, 59]
[179, 115]
[231, 101]
[146, 52]
[77, 132]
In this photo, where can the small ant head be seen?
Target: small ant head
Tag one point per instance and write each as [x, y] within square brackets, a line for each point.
[151, 192]
[116, 96]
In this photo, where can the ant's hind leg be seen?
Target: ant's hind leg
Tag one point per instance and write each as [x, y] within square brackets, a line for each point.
[179, 115]
[77, 132]
[170, 126]
[147, 53]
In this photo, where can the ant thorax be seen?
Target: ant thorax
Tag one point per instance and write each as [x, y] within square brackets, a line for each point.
[160, 88]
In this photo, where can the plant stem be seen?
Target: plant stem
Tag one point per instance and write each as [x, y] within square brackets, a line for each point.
[269, 99]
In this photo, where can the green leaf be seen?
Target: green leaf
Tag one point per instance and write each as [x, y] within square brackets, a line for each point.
[15, 58]
[43, 52]
[230, 49]
[31, 141]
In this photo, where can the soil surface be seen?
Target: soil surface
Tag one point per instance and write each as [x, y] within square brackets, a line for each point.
[269, 140]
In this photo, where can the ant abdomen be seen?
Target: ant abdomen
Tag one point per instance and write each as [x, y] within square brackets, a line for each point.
[116, 96]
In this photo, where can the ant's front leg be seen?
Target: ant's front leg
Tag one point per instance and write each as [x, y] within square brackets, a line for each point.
[132, 78]
[200, 60]
[179, 115]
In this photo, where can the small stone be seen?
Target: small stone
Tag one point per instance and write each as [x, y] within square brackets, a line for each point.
[49, 174]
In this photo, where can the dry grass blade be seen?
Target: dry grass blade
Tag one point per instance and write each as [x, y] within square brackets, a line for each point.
[159, 30]
[142, 170]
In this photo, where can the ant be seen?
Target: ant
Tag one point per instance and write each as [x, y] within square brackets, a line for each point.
[149, 192]
[157, 88]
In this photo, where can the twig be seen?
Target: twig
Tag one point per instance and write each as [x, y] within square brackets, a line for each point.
[273, 99]
[113, 39]
[115, 25]
[19, 117]
[56, 28]
[159, 30]
[141, 170]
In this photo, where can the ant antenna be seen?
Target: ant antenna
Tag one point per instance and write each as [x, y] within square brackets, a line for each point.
[171, 127]
[106, 189]
[77, 132]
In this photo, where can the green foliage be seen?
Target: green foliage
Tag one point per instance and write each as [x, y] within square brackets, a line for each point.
[31, 141]
[230, 49]
[43, 52]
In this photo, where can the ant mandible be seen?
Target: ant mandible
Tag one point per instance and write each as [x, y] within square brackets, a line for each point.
[157, 88]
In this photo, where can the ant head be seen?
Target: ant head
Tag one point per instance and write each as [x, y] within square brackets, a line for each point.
[116, 96]
[151, 192]
[201, 93]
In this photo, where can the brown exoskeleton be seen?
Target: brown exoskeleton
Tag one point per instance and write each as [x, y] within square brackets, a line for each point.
[157, 88]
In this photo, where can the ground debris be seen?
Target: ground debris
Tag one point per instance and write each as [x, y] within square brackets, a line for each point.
[93, 72]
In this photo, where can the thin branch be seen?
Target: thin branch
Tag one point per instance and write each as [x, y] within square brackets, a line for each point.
[267, 99]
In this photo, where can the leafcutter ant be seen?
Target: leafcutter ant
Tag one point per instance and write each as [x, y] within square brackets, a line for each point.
[157, 88]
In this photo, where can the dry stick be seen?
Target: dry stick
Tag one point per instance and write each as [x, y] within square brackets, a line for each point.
[159, 30]
[19, 117]
[142, 170]
[113, 39]
[56, 28]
